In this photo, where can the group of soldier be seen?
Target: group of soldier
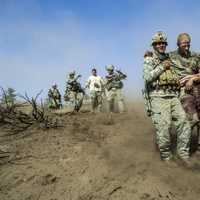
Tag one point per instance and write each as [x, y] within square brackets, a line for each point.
[172, 94]
[109, 87]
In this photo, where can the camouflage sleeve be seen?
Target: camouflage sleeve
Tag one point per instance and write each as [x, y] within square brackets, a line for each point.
[196, 67]
[50, 93]
[151, 72]
[148, 54]
[58, 93]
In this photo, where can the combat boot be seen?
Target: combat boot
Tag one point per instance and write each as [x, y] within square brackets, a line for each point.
[169, 162]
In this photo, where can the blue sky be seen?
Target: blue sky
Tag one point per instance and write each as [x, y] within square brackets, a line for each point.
[42, 40]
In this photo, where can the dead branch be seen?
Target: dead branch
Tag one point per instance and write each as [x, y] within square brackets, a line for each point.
[15, 121]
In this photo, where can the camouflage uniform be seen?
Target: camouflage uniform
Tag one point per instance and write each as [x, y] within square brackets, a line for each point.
[74, 92]
[187, 66]
[114, 85]
[54, 98]
[163, 90]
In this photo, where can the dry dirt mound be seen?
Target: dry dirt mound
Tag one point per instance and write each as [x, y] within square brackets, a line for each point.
[95, 157]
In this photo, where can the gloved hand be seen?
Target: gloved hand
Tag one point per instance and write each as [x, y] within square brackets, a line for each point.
[167, 64]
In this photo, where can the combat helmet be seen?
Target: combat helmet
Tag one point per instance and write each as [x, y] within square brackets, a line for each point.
[159, 37]
[110, 67]
[54, 85]
[72, 73]
[183, 37]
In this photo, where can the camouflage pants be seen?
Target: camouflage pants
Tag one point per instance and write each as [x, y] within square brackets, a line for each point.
[96, 100]
[165, 111]
[75, 99]
[115, 96]
[54, 104]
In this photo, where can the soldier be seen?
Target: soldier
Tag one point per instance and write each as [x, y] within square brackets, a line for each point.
[114, 87]
[54, 98]
[162, 90]
[188, 68]
[96, 87]
[74, 92]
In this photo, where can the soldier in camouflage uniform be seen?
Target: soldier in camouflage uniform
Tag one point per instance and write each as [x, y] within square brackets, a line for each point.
[74, 93]
[96, 87]
[162, 88]
[54, 98]
[114, 85]
[188, 68]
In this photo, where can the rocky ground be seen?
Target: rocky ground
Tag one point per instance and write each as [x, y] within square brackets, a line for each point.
[94, 157]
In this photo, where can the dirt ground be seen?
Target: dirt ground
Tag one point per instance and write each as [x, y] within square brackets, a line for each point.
[95, 157]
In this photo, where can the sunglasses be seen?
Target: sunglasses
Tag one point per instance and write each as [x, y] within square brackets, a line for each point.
[161, 43]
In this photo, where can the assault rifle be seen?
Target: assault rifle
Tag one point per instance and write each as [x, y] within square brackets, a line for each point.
[147, 101]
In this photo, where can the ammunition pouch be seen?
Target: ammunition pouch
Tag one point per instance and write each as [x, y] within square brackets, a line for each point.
[169, 80]
[114, 84]
[76, 87]
[169, 89]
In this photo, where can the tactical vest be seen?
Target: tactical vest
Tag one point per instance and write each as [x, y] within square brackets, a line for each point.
[56, 94]
[168, 79]
[115, 82]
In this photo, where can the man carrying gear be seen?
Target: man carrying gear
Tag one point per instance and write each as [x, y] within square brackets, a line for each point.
[188, 68]
[74, 93]
[114, 85]
[162, 89]
[96, 87]
[54, 98]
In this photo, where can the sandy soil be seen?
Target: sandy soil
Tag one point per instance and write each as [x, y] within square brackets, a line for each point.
[95, 157]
